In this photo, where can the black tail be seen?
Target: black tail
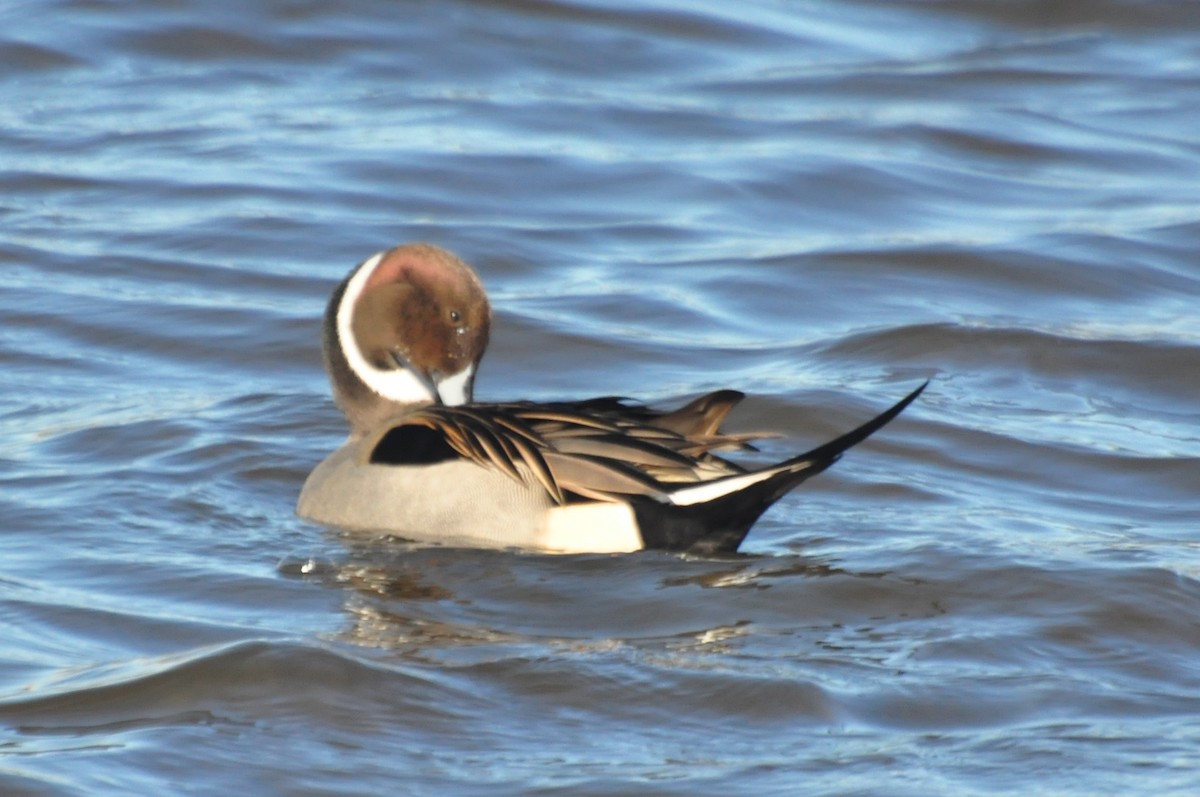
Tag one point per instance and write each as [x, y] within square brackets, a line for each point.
[834, 448]
[720, 524]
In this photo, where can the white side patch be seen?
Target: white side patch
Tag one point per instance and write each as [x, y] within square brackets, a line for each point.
[707, 491]
[456, 389]
[397, 385]
[590, 528]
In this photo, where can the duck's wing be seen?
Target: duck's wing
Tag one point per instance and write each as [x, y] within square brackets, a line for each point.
[696, 426]
[605, 449]
[565, 448]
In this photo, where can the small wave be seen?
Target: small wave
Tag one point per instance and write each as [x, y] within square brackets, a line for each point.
[230, 684]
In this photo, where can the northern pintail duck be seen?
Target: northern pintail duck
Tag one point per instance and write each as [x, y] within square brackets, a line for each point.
[403, 336]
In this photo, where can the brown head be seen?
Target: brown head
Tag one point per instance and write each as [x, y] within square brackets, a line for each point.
[406, 328]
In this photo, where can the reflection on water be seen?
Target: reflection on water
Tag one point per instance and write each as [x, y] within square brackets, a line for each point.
[428, 605]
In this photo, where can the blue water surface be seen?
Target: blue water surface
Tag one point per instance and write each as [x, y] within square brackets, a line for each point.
[820, 205]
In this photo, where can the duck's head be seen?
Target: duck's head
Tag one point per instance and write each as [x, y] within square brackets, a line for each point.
[406, 328]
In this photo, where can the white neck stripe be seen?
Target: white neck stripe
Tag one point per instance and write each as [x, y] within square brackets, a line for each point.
[456, 389]
[395, 385]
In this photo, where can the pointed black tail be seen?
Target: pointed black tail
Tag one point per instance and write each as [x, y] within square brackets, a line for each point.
[834, 448]
[719, 525]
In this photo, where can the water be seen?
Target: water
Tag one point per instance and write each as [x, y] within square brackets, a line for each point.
[820, 205]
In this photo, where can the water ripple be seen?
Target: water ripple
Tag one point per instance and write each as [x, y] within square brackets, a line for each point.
[798, 202]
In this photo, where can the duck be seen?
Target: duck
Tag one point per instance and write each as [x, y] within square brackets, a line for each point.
[403, 335]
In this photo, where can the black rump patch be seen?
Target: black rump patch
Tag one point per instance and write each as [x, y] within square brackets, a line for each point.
[412, 445]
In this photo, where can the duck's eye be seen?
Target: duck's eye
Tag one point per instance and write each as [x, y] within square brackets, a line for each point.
[455, 316]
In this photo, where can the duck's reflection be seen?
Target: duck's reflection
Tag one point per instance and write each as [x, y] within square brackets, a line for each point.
[445, 604]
